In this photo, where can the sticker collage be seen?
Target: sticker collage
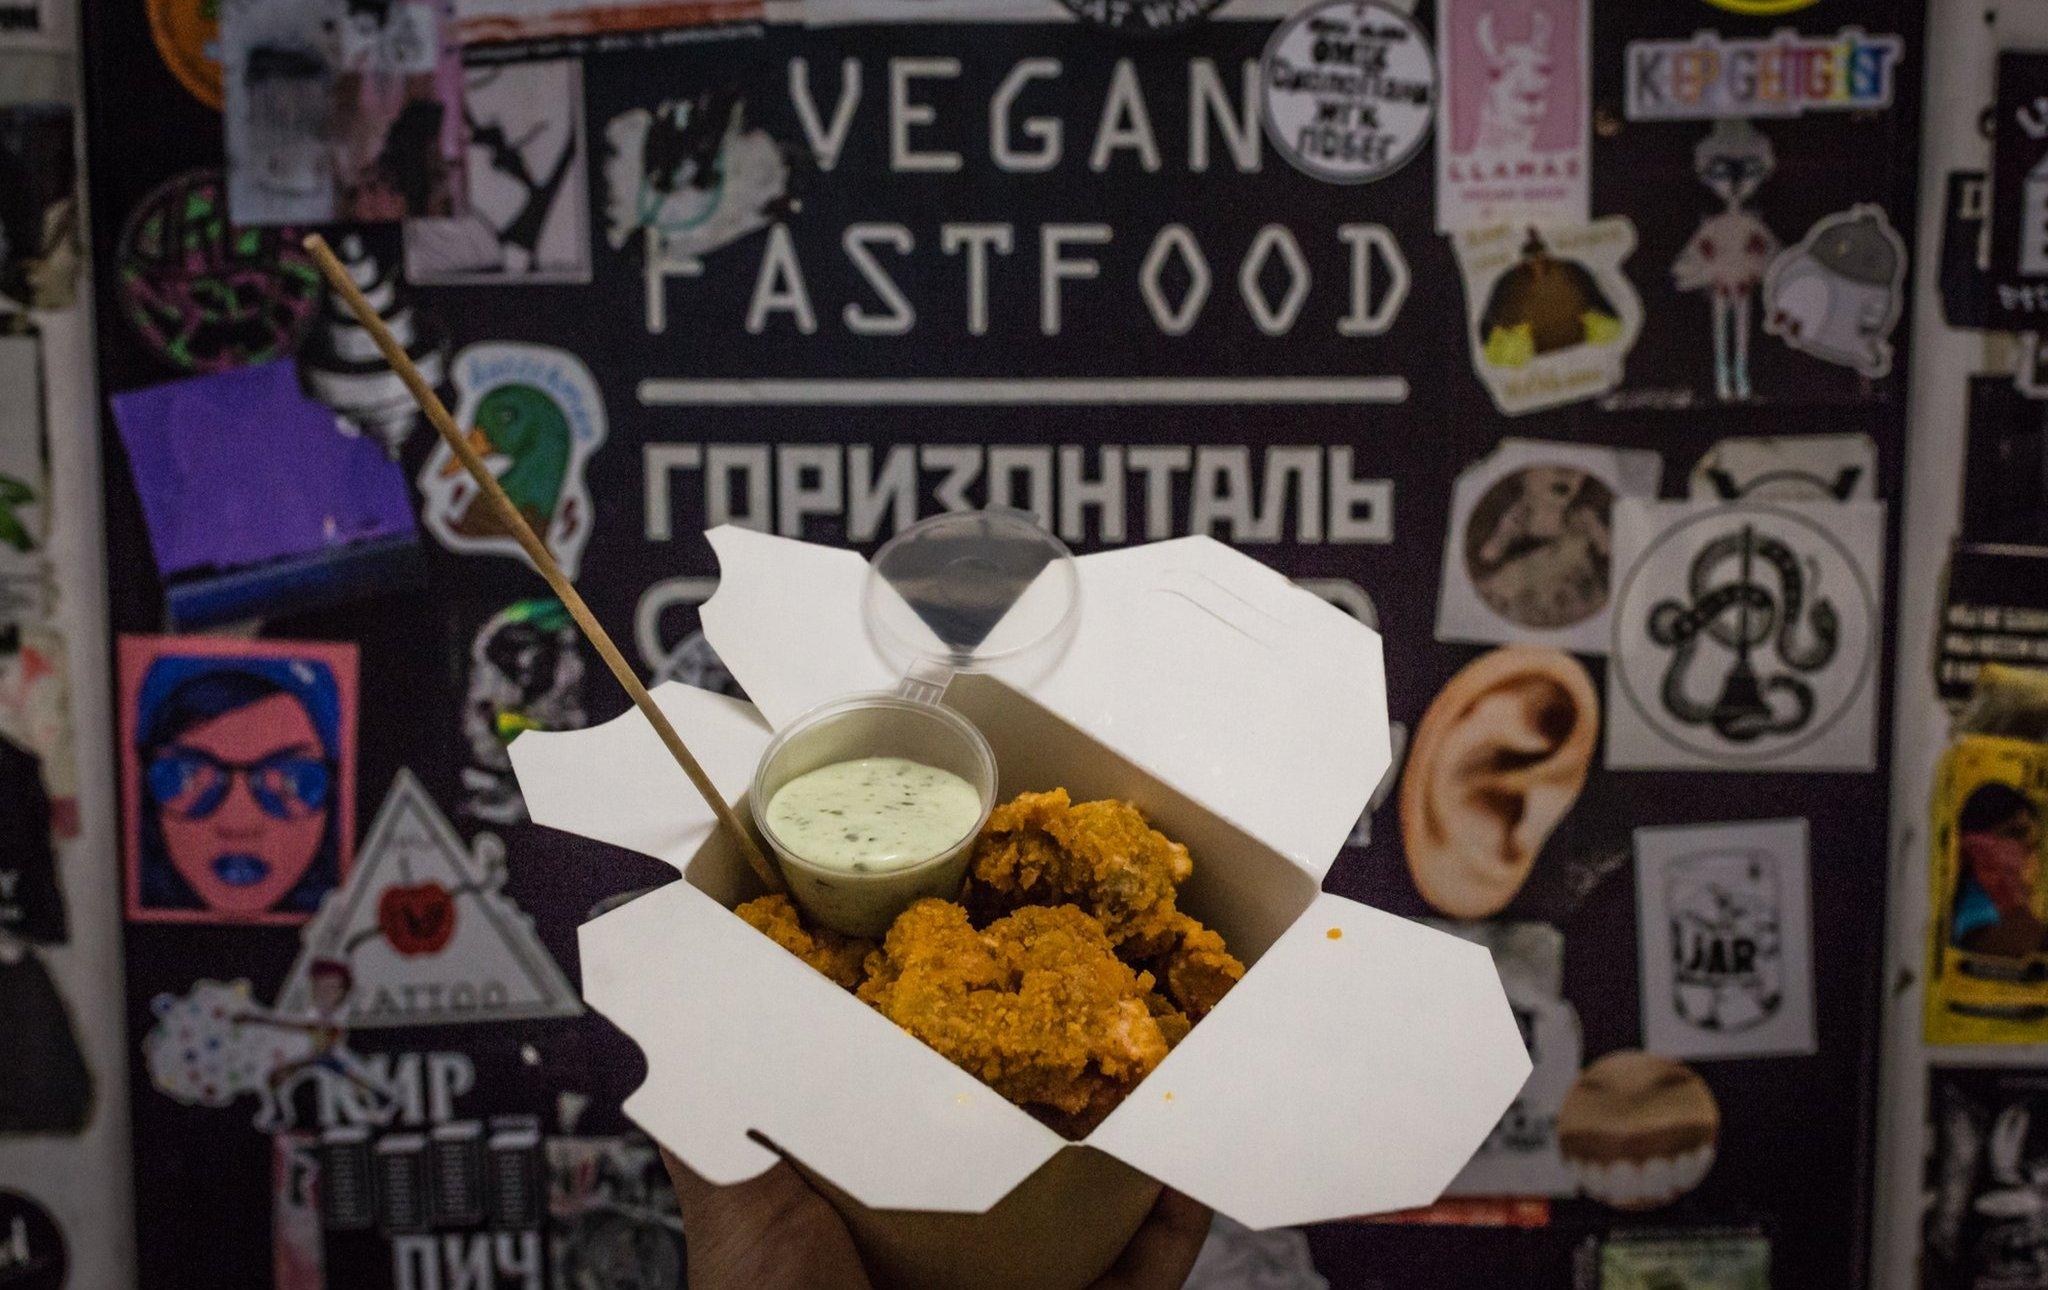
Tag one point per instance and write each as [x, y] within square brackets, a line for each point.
[1976, 838]
[1562, 341]
[50, 1091]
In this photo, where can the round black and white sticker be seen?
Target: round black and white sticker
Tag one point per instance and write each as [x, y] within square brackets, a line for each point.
[1349, 90]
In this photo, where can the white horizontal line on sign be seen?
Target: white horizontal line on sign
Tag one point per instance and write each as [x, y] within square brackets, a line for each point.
[1042, 390]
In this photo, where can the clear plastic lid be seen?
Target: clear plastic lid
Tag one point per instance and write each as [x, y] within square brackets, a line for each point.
[966, 591]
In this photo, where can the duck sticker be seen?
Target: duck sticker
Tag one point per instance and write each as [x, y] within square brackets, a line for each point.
[534, 415]
[1551, 316]
[1838, 294]
[1732, 249]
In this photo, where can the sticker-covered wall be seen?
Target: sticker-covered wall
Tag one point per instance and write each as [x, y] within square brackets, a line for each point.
[1564, 341]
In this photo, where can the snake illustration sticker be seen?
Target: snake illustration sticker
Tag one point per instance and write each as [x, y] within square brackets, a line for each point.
[534, 415]
[203, 294]
[1549, 313]
[1348, 90]
[1838, 294]
[1528, 555]
[1725, 938]
[1745, 636]
[424, 933]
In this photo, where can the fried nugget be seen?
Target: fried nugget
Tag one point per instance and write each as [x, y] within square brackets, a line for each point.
[1041, 848]
[837, 957]
[1106, 858]
[1036, 1005]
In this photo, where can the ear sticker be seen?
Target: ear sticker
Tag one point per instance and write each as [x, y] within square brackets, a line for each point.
[1745, 636]
[1840, 291]
[1493, 766]
[1514, 125]
[1639, 1130]
[1520, 1157]
[1527, 556]
[1725, 938]
[1549, 314]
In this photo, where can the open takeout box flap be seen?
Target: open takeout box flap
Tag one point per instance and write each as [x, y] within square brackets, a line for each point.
[1297, 1103]
[1197, 663]
[617, 783]
[744, 1039]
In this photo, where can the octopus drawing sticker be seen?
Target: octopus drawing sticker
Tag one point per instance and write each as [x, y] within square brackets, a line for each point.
[1745, 636]
[237, 776]
[1549, 313]
[1514, 127]
[1840, 291]
[1531, 537]
[534, 415]
[204, 295]
[1724, 935]
[423, 932]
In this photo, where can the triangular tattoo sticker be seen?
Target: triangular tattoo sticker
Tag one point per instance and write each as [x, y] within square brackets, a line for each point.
[422, 933]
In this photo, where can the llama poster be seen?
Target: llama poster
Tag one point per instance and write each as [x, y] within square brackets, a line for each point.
[1511, 141]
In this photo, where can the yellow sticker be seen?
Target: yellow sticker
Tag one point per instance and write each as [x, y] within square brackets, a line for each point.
[1763, 7]
[187, 34]
[1987, 978]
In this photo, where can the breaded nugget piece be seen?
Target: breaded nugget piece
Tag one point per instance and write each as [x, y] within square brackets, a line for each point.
[1199, 970]
[838, 957]
[1102, 856]
[1036, 1005]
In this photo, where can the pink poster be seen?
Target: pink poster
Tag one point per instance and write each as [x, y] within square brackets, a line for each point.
[1511, 144]
[238, 769]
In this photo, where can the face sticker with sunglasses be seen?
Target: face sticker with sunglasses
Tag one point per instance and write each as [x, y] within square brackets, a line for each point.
[238, 777]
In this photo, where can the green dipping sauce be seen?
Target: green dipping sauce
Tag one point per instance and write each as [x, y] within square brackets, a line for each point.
[873, 814]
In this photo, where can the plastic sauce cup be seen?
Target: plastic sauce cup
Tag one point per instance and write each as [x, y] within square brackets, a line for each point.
[873, 725]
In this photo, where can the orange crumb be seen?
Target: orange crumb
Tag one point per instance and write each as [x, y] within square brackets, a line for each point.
[1335, 933]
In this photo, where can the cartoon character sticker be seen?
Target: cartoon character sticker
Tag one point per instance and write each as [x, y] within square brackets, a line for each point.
[1729, 254]
[423, 932]
[525, 673]
[237, 776]
[1838, 294]
[1550, 316]
[204, 295]
[1745, 635]
[1513, 136]
[535, 416]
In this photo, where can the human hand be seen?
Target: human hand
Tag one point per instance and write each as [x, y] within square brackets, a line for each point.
[774, 1233]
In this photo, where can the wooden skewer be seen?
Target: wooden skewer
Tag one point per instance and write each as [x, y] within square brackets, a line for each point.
[536, 551]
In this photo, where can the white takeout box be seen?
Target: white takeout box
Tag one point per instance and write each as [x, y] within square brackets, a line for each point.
[1354, 1070]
